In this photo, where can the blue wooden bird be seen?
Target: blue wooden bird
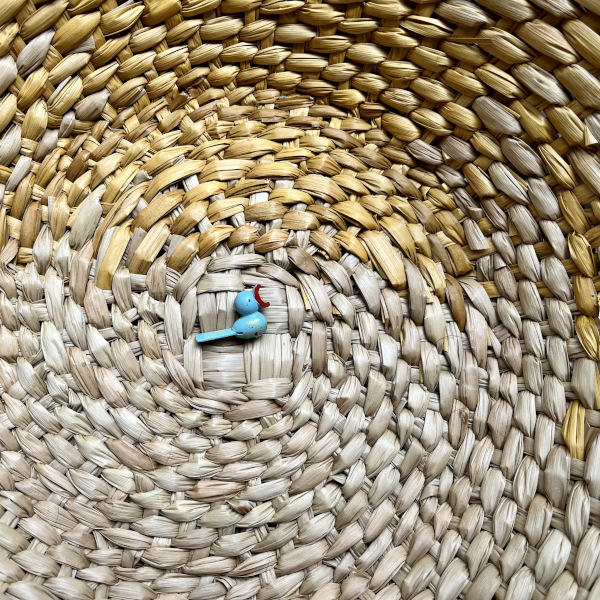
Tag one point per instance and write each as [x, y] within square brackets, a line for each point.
[250, 325]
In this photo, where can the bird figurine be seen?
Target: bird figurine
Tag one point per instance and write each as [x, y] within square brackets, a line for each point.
[250, 325]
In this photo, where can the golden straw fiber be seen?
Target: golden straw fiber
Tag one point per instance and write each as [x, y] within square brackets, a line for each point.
[416, 188]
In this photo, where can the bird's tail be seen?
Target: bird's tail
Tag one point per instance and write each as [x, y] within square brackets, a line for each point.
[209, 336]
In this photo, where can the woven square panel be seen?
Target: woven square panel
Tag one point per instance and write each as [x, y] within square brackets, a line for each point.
[416, 188]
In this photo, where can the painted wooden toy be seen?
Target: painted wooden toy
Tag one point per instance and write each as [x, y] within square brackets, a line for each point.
[250, 325]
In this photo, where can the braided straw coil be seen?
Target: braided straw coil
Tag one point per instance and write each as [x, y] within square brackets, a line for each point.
[415, 185]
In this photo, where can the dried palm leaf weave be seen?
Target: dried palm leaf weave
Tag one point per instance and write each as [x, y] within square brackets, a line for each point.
[416, 186]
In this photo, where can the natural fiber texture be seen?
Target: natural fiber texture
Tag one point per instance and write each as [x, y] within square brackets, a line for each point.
[415, 186]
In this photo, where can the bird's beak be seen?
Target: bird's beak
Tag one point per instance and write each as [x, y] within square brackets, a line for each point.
[258, 298]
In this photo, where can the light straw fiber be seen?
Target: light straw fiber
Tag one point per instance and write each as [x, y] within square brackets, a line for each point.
[415, 186]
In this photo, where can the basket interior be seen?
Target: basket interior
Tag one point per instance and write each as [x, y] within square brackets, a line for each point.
[414, 186]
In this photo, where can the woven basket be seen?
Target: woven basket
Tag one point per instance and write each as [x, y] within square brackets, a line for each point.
[415, 186]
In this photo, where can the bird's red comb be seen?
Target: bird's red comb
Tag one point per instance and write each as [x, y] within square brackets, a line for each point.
[260, 301]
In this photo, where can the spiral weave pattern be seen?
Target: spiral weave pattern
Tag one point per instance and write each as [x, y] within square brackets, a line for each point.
[415, 186]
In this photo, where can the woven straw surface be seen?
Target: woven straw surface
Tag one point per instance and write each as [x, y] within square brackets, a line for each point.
[415, 186]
